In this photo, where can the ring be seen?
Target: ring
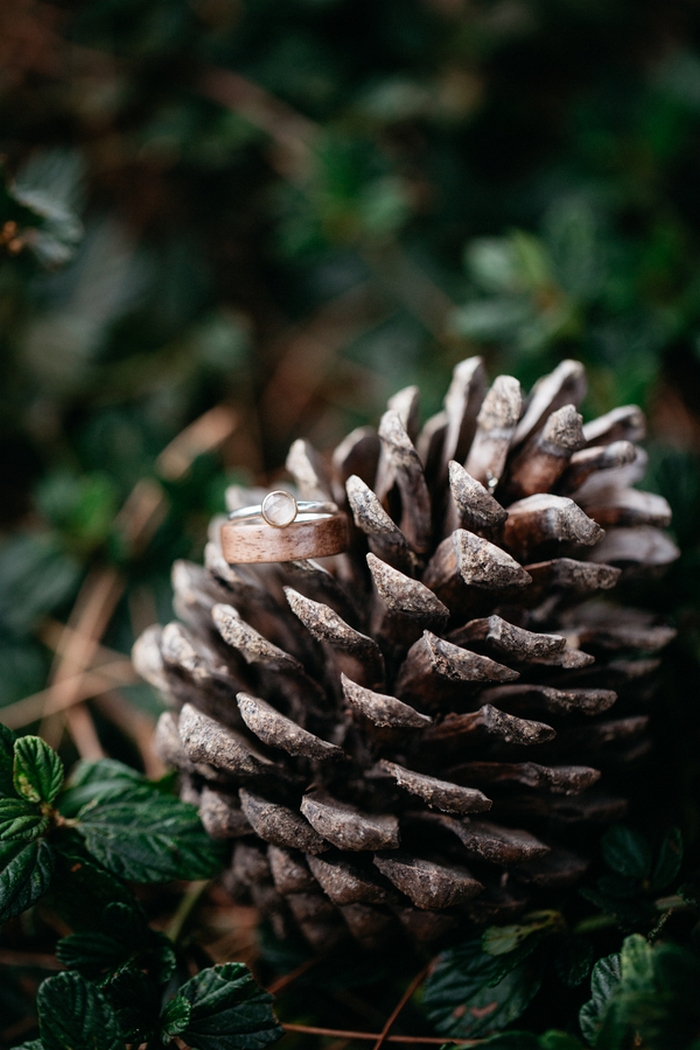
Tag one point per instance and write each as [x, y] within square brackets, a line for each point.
[282, 528]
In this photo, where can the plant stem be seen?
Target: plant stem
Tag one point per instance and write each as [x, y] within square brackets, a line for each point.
[185, 908]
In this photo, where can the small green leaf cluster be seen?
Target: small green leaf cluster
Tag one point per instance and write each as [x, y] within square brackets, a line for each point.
[221, 1008]
[628, 890]
[106, 812]
[78, 842]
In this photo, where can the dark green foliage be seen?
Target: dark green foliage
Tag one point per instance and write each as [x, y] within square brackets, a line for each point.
[75, 1015]
[123, 939]
[26, 870]
[38, 771]
[130, 828]
[645, 995]
[471, 993]
[637, 875]
[121, 973]
[148, 838]
[228, 1009]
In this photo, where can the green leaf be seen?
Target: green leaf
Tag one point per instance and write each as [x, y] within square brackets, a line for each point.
[500, 940]
[636, 961]
[468, 994]
[96, 781]
[38, 771]
[554, 1040]
[20, 819]
[230, 1011]
[604, 980]
[136, 999]
[573, 960]
[26, 870]
[149, 837]
[7, 740]
[626, 852]
[82, 889]
[668, 861]
[175, 1018]
[34, 1044]
[75, 1015]
[123, 938]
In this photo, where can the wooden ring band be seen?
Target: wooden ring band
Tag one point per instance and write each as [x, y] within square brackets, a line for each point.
[245, 542]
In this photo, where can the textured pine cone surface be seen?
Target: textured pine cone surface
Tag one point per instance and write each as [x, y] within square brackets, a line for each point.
[416, 734]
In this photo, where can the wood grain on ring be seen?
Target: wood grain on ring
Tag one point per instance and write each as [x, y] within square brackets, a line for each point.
[245, 543]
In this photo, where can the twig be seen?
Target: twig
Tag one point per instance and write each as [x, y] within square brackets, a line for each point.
[135, 724]
[70, 691]
[185, 908]
[341, 1033]
[287, 978]
[93, 609]
[208, 432]
[42, 960]
[400, 1005]
[19, 1028]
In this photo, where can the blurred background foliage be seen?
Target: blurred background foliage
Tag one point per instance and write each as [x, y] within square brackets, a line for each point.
[228, 223]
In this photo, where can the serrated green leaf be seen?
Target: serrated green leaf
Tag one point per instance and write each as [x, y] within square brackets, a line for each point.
[500, 940]
[123, 938]
[489, 1008]
[626, 852]
[136, 999]
[149, 837]
[20, 819]
[175, 1018]
[605, 979]
[7, 757]
[26, 870]
[97, 781]
[468, 995]
[669, 860]
[636, 961]
[38, 771]
[75, 1015]
[82, 888]
[34, 1044]
[573, 960]
[230, 1011]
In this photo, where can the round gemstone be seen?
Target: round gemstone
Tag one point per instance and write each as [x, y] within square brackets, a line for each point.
[279, 508]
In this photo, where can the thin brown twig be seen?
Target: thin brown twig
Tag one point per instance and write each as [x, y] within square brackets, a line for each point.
[341, 1033]
[287, 978]
[400, 1005]
[42, 960]
[71, 691]
[19, 1028]
[93, 609]
[135, 724]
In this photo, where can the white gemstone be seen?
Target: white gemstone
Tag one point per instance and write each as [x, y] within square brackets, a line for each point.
[279, 508]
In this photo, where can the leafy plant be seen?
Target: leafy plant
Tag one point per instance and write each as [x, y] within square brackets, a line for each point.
[124, 982]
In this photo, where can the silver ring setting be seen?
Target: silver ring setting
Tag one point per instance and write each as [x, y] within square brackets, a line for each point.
[280, 509]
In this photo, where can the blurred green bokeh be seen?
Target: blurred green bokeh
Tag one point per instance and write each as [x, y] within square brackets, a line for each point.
[294, 209]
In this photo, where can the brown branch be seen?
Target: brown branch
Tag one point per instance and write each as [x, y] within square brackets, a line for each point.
[71, 691]
[42, 960]
[341, 1033]
[400, 1005]
[287, 978]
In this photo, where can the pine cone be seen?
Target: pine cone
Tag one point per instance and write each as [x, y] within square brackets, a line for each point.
[414, 733]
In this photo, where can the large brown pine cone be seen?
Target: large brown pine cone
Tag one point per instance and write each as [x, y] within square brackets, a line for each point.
[409, 734]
